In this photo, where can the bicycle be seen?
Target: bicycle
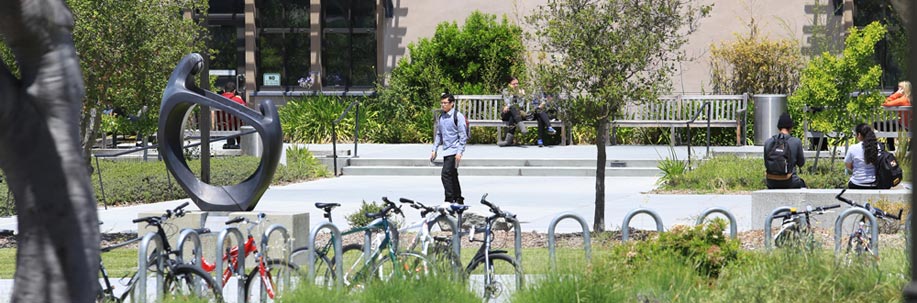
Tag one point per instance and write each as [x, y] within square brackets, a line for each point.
[265, 271]
[384, 259]
[493, 285]
[437, 249]
[179, 279]
[859, 241]
[796, 226]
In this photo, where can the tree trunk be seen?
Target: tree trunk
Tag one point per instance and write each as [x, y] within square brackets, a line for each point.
[57, 259]
[601, 138]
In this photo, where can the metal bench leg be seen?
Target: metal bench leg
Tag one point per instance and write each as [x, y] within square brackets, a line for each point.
[672, 136]
[614, 135]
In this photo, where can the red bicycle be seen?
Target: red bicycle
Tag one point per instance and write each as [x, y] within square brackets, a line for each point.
[265, 272]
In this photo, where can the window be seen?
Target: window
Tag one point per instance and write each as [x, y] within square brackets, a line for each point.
[348, 43]
[283, 43]
[225, 24]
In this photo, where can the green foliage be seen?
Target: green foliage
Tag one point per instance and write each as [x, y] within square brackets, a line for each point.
[801, 276]
[471, 59]
[127, 51]
[422, 290]
[310, 119]
[827, 82]
[755, 64]
[671, 167]
[730, 174]
[359, 218]
[704, 246]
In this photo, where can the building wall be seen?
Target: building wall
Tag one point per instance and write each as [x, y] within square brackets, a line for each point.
[778, 19]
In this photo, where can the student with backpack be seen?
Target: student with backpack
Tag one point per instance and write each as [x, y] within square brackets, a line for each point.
[782, 154]
[450, 131]
[861, 159]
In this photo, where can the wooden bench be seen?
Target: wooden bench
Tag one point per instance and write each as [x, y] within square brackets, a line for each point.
[221, 124]
[887, 124]
[485, 111]
[676, 111]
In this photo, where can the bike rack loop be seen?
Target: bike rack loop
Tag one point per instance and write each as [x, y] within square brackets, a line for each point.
[142, 256]
[733, 227]
[520, 278]
[874, 230]
[195, 238]
[240, 266]
[285, 277]
[587, 241]
[336, 243]
[456, 239]
[625, 229]
[769, 221]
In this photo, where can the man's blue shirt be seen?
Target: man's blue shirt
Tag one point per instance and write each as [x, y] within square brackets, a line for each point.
[451, 135]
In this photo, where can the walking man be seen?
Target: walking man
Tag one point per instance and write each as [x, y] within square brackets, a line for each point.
[451, 133]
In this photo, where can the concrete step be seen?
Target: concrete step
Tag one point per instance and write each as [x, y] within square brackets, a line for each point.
[431, 170]
[475, 162]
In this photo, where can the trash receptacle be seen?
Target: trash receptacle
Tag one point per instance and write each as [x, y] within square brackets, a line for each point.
[768, 109]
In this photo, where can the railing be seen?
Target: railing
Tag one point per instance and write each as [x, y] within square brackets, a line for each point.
[706, 105]
[356, 133]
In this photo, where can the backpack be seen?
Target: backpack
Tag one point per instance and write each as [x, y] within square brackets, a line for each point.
[777, 159]
[455, 120]
[888, 173]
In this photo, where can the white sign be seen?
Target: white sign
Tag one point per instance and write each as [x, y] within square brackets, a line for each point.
[271, 79]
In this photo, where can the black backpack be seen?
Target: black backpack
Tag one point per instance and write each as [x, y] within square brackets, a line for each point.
[888, 173]
[777, 160]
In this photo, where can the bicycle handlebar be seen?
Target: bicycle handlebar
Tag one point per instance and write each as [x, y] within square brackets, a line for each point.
[153, 220]
[389, 207]
[235, 220]
[496, 210]
[879, 213]
[817, 210]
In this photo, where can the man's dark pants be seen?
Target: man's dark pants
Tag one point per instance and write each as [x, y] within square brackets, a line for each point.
[451, 181]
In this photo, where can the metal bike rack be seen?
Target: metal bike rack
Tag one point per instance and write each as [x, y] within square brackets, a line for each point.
[733, 227]
[336, 243]
[195, 238]
[265, 238]
[520, 278]
[625, 227]
[456, 240]
[240, 266]
[142, 255]
[874, 230]
[552, 243]
[769, 221]
[189, 234]
[907, 230]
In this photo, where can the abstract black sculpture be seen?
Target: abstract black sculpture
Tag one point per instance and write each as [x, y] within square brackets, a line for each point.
[180, 95]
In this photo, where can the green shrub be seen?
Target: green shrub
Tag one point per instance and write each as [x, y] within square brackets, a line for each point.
[310, 119]
[471, 59]
[359, 218]
[138, 182]
[704, 246]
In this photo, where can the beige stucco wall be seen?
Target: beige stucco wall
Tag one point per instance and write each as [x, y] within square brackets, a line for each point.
[414, 19]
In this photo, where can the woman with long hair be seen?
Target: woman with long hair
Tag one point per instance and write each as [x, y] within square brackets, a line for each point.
[861, 159]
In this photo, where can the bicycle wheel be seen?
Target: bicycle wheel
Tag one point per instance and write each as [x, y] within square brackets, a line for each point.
[274, 281]
[189, 281]
[788, 236]
[323, 273]
[494, 278]
[407, 265]
[354, 263]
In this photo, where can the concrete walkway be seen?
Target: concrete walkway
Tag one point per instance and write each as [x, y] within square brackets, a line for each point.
[536, 200]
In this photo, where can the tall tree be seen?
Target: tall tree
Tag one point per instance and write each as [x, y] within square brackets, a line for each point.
[127, 51]
[605, 52]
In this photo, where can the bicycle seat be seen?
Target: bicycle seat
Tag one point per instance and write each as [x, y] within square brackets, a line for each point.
[458, 207]
[327, 206]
